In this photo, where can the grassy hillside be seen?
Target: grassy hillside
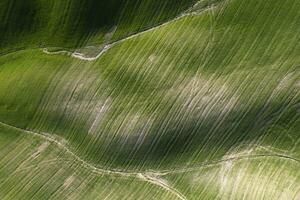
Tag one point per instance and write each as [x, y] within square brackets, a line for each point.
[203, 106]
[32, 168]
[74, 23]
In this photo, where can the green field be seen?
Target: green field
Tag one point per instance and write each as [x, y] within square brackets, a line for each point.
[150, 99]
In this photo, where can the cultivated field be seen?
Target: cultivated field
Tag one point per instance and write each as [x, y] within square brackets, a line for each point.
[168, 100]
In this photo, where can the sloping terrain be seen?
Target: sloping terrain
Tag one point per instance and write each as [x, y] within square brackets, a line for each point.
[189, 100]
[75, 23]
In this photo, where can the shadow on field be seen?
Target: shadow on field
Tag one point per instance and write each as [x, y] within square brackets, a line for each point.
[18, 17]
[129, 16]
[209, 140]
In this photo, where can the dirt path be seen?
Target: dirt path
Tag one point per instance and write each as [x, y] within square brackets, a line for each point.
[82, 56]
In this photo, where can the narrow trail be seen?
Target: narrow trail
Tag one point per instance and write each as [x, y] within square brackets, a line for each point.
[153, 177]
[162, 183]
[109, 46]
[98, 170]
[82, 56]
[64, 147]
[235, 158]
[47, 137]
[143, 176]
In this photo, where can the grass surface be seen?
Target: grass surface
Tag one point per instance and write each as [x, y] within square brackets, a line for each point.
[75, 23]
[205, 106]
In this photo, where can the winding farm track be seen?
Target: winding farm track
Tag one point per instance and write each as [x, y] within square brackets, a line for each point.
[150, 176]
[143, 176]
[108, 46]
[153, 177]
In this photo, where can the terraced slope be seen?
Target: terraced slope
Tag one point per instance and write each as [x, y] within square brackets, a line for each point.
[204, 106]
